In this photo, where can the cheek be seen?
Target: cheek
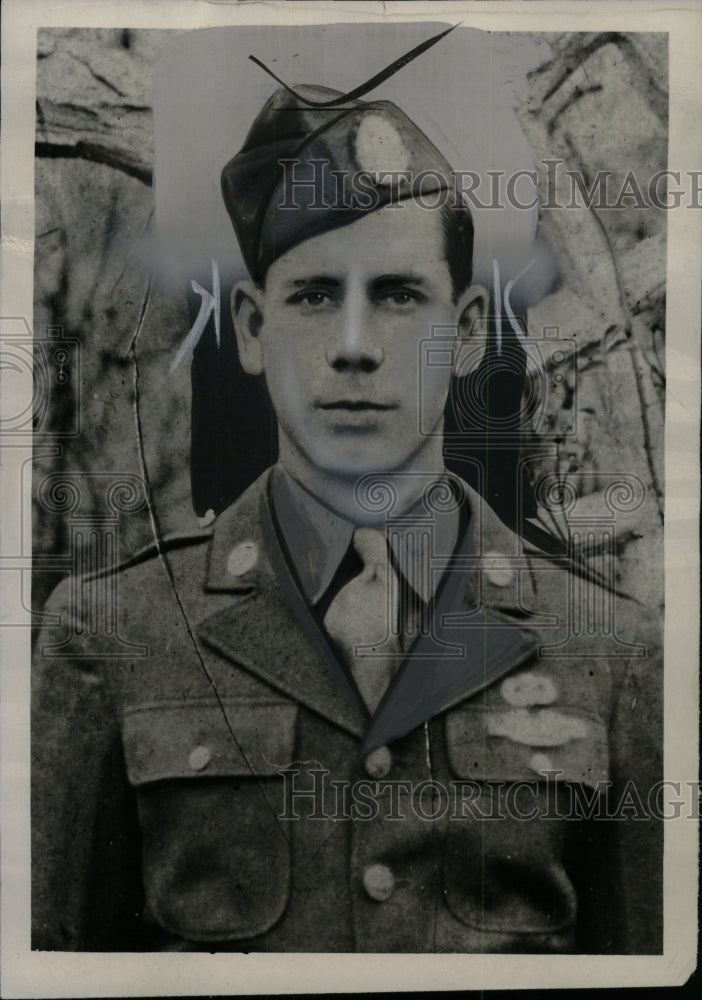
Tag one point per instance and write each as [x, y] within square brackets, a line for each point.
[278, 362]
[428, 364]
[295, 359]
[291, 372]
[436, 380]
[283, 380]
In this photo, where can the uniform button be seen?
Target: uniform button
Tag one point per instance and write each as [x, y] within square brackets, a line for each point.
[379, 882]
[199, 758]
[540, 762]
[499, 576]
[378, 763]
[242, 558]
[208, 519]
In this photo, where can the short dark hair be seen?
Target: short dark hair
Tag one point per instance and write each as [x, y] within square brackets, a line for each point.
[457, 224]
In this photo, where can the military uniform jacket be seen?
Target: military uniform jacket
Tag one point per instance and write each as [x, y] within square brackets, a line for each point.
[205, 778]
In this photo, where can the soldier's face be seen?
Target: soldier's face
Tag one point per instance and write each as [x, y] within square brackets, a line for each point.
[338, 334]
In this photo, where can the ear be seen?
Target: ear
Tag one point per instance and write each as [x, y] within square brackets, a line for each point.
[247, 316]
[471, 317]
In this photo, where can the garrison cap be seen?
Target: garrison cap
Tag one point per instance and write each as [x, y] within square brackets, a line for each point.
[313, 161]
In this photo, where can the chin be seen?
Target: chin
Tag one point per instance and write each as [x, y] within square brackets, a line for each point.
[361, 462]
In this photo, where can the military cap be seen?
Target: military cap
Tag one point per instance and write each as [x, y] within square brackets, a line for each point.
[313, 161]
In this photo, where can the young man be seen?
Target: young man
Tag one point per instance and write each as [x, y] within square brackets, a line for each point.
[367, 717]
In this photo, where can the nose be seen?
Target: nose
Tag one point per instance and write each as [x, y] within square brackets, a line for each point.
[354, 346]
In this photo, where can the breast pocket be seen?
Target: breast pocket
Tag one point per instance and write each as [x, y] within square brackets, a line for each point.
[506, 864]
[216, 861]
[519, 743]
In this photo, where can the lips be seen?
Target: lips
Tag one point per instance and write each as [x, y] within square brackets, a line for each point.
[355, 405]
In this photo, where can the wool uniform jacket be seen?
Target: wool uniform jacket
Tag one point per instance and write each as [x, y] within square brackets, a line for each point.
[220, 786]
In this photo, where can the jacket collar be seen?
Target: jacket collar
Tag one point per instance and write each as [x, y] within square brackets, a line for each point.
[269, 631]
[471, 639]
[316, 538]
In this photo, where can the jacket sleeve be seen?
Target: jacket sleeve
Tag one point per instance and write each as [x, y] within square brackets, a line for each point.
[85, 886]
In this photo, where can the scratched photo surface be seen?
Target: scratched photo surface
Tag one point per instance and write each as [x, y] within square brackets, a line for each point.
[348, 490]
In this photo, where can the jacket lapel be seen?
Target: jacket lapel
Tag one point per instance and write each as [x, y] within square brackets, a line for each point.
[270, 632]
[470, 640]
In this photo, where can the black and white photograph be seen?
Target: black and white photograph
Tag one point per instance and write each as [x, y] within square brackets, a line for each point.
[350, 409]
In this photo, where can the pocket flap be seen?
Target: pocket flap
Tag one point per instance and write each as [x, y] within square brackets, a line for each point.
[206, 739]
[520, 743]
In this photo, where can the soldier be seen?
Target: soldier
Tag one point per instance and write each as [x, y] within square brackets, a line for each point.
[367, 718]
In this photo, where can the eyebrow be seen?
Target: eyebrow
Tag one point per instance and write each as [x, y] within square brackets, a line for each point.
[379, 284]
[317, 279]
[394, 280]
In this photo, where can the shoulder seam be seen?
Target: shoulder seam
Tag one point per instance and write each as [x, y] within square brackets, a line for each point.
[153, 549]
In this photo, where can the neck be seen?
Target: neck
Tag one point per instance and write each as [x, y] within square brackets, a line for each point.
[367, 498]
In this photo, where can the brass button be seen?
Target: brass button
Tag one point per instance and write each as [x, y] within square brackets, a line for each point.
[540, 762]
[199, 758]
[378, 763]
[242, 558]
[379, 882]
[498, 574]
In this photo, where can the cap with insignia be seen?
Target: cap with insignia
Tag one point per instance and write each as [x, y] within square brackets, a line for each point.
[313, 161]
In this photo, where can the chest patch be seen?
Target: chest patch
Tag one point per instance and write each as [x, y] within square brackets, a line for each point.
[527, 689]
[541, 728]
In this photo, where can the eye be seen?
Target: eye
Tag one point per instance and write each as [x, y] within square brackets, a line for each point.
[311, 299]
[402, 298]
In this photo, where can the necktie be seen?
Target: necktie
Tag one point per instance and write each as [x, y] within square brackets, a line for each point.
[363, 618]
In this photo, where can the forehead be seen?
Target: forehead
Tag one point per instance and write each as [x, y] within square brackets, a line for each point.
[404, 237]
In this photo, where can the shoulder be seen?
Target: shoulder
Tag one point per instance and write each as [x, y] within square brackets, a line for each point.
[180, 541]
[191, 544]
[150, 576]
[582, 598]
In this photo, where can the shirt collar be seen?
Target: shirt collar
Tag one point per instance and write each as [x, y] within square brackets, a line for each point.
[317, 538]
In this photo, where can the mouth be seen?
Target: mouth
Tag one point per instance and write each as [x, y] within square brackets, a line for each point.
[355, 406]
